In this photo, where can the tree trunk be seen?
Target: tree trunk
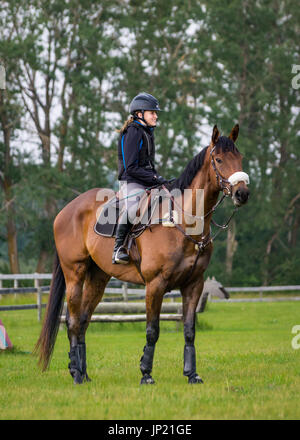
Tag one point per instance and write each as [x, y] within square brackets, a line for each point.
[42, 261]
[294, 232]
[12, 247]
[230, 247]
[11, 231]
[6, 183]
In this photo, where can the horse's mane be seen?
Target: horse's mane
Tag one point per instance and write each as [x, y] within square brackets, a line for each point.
[224, 144]
[185, 179]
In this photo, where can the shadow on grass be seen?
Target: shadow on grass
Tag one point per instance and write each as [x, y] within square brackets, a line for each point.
[14, 351]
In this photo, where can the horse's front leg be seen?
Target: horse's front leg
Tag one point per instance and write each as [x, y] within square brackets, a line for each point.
[190, 298]
[154, 297]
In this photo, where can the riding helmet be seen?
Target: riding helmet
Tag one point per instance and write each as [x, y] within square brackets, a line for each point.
[144, 101]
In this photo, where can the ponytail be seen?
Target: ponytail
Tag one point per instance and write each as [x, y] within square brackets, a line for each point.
[125, 125]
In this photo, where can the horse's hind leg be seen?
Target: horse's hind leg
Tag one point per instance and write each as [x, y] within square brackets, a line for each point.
[84, 288]
[93, 290]
[74, 277]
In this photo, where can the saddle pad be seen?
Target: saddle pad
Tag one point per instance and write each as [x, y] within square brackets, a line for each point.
[107, 221]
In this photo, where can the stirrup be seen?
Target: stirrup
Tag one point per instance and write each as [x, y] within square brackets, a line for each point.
[120, 256]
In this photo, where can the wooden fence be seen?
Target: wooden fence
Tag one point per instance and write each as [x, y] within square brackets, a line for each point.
[170, 311]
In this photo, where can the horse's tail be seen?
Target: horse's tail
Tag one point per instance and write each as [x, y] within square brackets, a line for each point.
[46, 341]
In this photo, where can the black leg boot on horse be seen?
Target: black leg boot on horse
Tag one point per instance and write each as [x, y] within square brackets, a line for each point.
[189, 354]
[146, 361]
[120, 255]
[146, 365]
[77, 364]
[77, 355]
[189, 368]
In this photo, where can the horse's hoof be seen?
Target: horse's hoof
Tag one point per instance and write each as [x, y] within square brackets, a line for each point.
[147, 380]
[86, 378]
[80, 378]
[77, 377]
[195, 379]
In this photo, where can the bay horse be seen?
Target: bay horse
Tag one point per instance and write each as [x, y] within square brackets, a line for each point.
[170, 258]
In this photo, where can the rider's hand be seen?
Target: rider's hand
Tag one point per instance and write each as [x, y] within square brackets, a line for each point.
[160, 180]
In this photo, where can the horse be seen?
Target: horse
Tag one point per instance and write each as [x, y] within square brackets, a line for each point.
[170, 258]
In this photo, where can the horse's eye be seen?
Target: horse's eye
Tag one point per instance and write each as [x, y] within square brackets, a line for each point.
[218, 160]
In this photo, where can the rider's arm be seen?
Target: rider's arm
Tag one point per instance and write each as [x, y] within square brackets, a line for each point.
[131, 144]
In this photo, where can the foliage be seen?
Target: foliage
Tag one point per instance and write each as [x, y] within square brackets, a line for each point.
[72, 69]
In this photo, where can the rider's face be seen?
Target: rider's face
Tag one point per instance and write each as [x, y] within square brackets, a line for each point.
[150, 117]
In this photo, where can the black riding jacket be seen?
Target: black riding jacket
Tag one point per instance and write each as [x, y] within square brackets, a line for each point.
[136, 155]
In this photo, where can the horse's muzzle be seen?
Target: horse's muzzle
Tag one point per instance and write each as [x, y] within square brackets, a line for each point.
[240, 195]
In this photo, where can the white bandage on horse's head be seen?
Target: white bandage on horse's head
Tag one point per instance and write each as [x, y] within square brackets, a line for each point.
[237, 177]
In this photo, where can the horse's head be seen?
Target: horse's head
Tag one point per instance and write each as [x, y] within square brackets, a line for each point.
[226, 166]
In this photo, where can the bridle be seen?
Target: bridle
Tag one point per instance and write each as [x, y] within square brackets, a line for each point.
[221, 181]
[226, 186]
[238, 176]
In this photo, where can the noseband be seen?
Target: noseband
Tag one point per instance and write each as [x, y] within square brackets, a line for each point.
[226, 185]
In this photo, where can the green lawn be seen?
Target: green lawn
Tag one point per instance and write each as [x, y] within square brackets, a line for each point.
[244, 356]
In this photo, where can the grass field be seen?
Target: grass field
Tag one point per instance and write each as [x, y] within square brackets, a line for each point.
[244, 356]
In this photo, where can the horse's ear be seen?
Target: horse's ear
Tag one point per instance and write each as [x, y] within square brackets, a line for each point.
[215, 135]
[234, 133]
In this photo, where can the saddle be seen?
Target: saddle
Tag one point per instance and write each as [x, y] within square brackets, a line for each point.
[112, 210]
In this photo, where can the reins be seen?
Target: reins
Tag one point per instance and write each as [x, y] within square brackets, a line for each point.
[201, 244]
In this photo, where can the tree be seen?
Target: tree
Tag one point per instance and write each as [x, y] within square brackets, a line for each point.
[10, 115]
[63, 96]
[252, 49]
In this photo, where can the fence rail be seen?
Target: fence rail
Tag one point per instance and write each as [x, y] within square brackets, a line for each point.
[128, 318]
[48, 276]
[126, 294]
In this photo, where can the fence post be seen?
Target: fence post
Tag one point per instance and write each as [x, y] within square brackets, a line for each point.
[125, 292]
[16, 285]
[179, 311]
[38, 299]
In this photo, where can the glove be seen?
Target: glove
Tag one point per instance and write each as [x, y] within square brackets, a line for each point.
[160, 180]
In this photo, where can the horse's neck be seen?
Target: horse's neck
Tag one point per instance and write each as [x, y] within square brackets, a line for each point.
[209, 193]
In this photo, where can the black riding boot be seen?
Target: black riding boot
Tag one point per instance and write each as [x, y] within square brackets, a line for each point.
[120, 255]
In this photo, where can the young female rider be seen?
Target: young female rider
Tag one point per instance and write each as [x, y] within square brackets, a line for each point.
[136, 158]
